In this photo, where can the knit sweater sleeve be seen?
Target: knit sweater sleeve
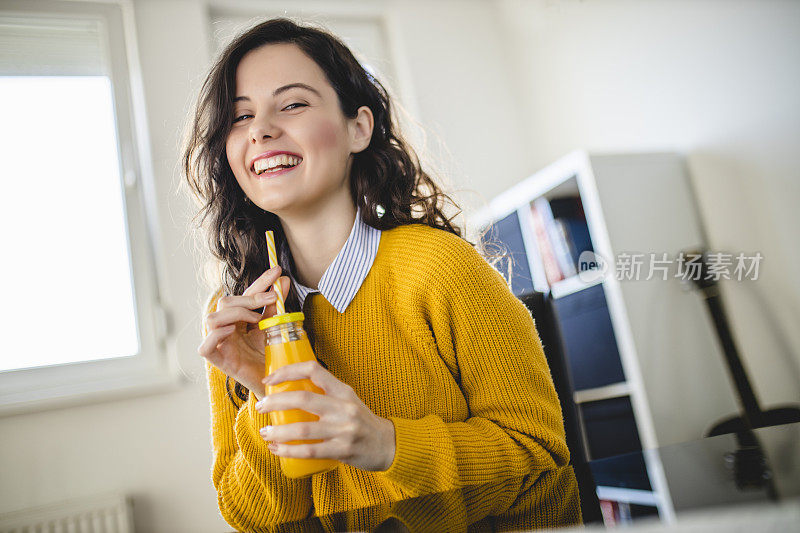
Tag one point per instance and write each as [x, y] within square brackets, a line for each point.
[515, 427]
[252, 492]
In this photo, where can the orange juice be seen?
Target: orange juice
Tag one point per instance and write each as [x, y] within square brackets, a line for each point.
[287, 343]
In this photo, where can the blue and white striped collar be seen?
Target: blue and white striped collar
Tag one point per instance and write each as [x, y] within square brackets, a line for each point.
[343, 277]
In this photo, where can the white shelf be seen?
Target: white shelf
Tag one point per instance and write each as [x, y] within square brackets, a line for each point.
[636, 496]
[574, 284]
[615, 390]
[635, 203]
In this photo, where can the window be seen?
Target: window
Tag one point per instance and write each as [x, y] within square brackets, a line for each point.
[365, 33]
[81, 311]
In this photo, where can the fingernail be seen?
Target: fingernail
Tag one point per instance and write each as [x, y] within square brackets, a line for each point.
[266, 430]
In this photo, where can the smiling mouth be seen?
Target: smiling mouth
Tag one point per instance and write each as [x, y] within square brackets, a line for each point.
[275, 164]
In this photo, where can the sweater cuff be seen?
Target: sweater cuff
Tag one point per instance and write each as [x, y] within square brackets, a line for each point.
[424, 458]
[256, 420]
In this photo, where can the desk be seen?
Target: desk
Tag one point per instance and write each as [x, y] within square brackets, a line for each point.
[742, 479]
[728, 470]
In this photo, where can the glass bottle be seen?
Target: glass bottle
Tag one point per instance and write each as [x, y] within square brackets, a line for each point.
[286, 343]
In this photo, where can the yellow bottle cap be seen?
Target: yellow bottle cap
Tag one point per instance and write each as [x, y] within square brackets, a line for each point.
[284, 318]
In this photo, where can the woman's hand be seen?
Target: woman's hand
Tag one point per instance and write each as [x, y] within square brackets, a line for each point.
[234, 343]
[351, 433]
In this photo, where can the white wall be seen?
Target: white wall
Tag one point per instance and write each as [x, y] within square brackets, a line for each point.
[508, 86]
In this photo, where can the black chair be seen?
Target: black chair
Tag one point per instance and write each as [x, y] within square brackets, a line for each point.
[540, 306]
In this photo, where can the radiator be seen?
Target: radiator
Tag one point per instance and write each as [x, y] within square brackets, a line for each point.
[104, 514]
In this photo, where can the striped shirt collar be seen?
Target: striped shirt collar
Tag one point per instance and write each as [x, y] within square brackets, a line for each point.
[343, 277]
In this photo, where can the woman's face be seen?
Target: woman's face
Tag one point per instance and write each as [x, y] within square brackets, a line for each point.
[290, 145]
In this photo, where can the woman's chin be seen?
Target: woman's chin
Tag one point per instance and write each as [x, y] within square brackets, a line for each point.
[281, 207]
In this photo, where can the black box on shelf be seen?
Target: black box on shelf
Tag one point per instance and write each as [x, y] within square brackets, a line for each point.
[610, 427]
[587, 334]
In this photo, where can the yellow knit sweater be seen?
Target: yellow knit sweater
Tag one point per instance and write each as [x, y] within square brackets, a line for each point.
[435, 342]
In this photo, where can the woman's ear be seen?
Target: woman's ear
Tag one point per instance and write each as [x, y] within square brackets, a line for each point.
[361, 129]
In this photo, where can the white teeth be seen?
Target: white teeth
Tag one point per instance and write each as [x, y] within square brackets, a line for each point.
[262, 165]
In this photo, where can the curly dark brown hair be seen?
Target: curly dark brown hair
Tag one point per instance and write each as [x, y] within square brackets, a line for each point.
[386, 181]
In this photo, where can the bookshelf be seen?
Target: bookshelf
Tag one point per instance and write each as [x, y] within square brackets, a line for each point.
[607, 204]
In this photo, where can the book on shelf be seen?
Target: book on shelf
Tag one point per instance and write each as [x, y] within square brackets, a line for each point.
[609, 511]
[568, 210]
[557, 241]
[552, 271]
[570, 255]
[615, 513]
[624, 513]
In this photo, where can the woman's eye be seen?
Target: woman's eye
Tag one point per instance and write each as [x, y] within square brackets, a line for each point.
[293, 106]
[241, 117]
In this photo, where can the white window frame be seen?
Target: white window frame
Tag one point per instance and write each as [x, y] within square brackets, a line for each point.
[152, 369]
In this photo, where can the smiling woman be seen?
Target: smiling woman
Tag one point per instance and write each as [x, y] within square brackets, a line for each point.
[427, 388]
[300, 117]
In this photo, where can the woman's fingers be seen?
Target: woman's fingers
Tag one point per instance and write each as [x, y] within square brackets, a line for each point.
[263, 282]
[250, 301]
[286, 284]
[258, 295]
[323, 450]
[282, 401]
[271, 308]
[298, 431]
[348, 430]
[230, 315]
[316, 373]
[209, 345]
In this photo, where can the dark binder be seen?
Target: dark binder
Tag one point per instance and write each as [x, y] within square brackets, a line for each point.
[570, 211]
[588, 336]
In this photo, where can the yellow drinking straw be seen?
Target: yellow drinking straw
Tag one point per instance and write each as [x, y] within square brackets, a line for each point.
[273, 261]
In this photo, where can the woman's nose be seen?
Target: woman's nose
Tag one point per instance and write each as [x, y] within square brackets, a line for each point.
[261, 130]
